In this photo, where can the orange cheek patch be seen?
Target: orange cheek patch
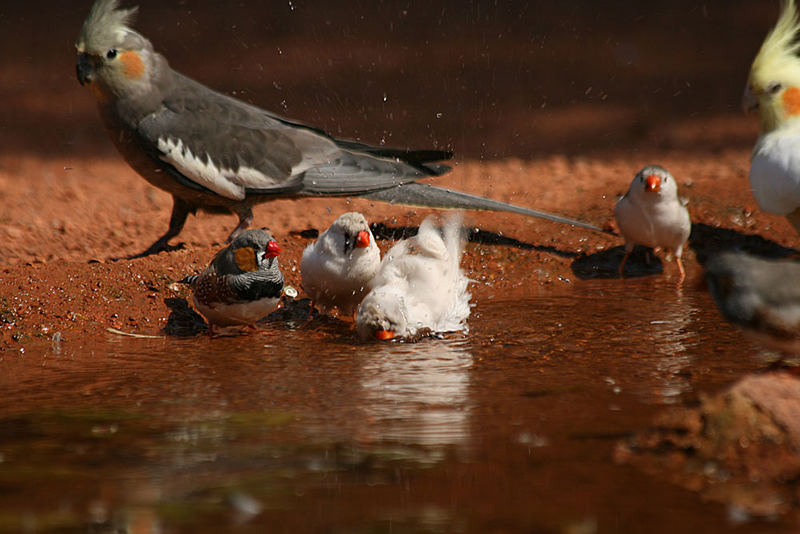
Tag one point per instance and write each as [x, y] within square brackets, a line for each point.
[132, 65]
[791, 101]
[246, 259]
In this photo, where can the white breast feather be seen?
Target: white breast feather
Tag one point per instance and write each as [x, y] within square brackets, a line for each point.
[775, 172]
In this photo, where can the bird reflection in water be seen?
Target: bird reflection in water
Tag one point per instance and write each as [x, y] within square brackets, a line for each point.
[418, 393]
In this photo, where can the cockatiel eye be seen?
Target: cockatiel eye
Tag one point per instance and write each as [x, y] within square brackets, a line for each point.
[774, 87]
[111, 54]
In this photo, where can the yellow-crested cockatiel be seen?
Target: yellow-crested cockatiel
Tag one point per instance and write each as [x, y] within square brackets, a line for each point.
[773, 88]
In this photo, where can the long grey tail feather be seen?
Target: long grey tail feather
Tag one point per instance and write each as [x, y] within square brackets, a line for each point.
[430, 196]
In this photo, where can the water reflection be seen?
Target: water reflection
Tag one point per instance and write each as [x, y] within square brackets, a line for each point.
[418, 393]
[670, 326]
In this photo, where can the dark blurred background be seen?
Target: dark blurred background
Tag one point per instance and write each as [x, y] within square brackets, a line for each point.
[487, 79]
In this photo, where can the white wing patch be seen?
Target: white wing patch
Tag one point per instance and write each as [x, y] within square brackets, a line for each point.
[775, 172]
[225, 182]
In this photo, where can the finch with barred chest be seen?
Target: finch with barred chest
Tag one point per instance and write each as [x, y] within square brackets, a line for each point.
[243, 282]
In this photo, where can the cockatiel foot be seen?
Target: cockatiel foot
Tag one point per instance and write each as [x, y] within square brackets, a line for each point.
[155, 248]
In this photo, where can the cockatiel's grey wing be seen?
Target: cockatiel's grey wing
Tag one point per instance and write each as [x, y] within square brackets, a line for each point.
[208, 141]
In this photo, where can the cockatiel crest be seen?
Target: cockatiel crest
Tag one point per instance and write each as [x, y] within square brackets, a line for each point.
[106, 24]
[773, 86]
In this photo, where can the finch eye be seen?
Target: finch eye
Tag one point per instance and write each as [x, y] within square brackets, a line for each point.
[112, 53]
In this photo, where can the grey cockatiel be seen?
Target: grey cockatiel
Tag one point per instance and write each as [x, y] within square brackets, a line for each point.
[216, 153]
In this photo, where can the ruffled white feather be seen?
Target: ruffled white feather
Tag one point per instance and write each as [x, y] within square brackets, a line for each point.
[420, 286]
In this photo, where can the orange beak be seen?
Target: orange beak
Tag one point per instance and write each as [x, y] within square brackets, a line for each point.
[362, 239]
[383, 335]
[653, 183]
[273, 249]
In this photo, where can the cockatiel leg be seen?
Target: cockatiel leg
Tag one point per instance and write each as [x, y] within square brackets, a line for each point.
[180, 212]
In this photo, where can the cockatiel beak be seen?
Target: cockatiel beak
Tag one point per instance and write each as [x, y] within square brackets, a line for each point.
[383, 335]
[85, 68]
[272, 249]
[362, 239]
[653, 183]
[749, 100]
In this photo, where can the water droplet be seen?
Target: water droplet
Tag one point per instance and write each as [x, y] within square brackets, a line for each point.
[439, 115]
[385, 98]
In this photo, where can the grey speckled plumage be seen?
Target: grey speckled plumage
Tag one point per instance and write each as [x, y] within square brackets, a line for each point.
[759, 295]
[215, 153]
[243, 282]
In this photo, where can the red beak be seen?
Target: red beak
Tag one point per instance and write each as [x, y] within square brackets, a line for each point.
[383, 334]
[362, 239]
[273, 249]
[653, 183]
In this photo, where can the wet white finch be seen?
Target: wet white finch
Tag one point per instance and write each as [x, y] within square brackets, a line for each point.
[420, 287]
[652, 214]
[760, 296]
[773, 89]
[338, 267]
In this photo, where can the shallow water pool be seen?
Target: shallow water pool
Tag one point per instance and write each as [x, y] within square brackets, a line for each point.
[510, 428]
